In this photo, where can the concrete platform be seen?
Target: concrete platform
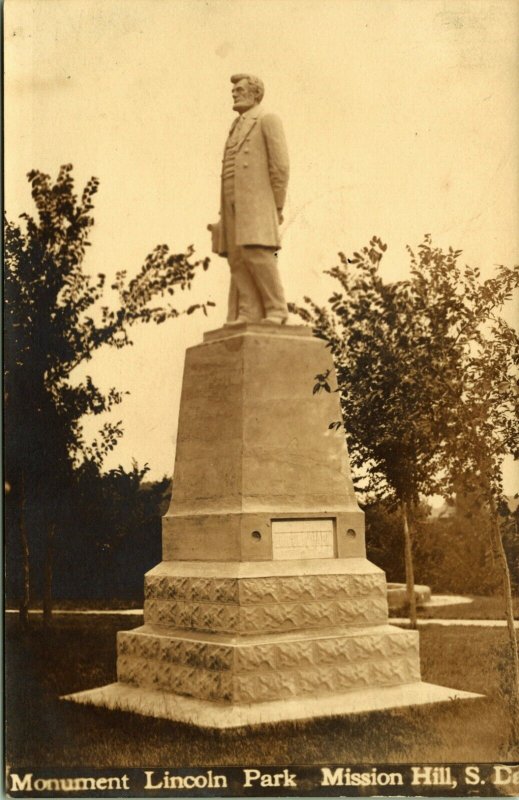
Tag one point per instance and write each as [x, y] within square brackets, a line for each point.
[205, 714]
[438, 600]
[397, 594]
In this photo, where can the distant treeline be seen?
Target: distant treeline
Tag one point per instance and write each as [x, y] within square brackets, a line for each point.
[452, 554]
[111, 537]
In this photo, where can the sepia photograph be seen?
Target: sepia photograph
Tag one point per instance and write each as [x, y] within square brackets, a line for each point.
[261, 407]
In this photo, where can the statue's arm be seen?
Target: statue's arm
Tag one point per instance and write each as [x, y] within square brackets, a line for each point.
[277, 152]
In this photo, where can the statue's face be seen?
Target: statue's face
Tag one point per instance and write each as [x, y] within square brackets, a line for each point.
[243, 96]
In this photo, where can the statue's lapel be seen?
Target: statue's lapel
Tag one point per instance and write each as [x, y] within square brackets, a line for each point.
[248, 125]
[231, 131]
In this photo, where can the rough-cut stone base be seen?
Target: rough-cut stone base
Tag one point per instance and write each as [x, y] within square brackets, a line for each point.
[206, 714]
[257, 669]
[259, 638]
[233, 646]
[248, 644]
[313, 594]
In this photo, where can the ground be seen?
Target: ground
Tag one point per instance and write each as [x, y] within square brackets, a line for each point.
[79, 653]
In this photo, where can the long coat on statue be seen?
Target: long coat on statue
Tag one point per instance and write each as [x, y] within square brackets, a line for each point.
[260, 182]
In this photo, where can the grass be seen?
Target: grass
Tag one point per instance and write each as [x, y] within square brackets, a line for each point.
[79, 653]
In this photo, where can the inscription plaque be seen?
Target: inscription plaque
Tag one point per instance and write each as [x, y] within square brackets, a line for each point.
[302, 538]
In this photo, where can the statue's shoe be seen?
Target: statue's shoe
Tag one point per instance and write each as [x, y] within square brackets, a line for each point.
[274, 321]
[234, 322]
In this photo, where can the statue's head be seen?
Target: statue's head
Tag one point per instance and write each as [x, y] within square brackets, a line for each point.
[247, 91]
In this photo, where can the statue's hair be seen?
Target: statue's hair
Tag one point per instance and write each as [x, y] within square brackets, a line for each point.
[256, 84]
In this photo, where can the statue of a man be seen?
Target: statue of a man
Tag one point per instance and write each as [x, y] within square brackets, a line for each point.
[254, 184]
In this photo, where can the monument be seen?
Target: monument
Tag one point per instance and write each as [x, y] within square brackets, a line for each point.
[264, 607]
[255, 172]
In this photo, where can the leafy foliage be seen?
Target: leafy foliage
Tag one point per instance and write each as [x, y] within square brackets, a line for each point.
[372, 332]
[54, 321]
[428, 373]
[50, 313]
[117, 530]
[420, 362]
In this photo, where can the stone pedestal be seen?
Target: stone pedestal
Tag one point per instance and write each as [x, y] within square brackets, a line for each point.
[264, 607]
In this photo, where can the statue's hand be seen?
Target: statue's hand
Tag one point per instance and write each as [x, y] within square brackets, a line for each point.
[214, 230]
[281, 218]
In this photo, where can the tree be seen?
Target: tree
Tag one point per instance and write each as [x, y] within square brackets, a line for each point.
[53, 322]
[377, 343]
[428, 375]
[479, 401]
[117, 529]
[485, 428]
[399, 350]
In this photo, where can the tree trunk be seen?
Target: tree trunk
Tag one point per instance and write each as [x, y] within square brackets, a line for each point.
[409, 569]
[26, 575]
[47, 574]
[500, 551]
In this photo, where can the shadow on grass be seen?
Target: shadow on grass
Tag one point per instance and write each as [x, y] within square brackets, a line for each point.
[78, 654]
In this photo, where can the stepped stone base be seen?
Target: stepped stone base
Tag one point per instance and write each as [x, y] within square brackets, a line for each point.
[270, 668]
[244, 643]
[205, 714]
[250, 598]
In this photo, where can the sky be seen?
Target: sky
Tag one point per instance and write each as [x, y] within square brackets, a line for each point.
[401, 118]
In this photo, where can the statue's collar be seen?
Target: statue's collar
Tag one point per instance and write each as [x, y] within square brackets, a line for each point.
[251, 113]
